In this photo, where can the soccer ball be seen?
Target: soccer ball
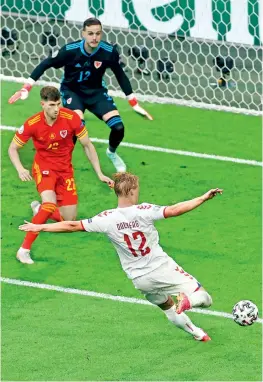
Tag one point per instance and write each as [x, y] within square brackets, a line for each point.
[245, 313]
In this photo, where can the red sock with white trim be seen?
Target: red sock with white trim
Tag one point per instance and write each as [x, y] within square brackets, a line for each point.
[44, 213]
[56, 216]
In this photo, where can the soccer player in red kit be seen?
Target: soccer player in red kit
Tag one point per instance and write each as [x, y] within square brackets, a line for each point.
[52, 132]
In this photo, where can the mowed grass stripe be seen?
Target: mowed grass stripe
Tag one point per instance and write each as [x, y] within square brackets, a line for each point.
[249, 162]
[105, 296]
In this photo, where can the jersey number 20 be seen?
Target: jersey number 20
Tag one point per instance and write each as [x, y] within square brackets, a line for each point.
[143, 251]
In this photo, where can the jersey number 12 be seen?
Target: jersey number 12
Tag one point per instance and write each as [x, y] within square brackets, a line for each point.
[83, 76]
[143, 251]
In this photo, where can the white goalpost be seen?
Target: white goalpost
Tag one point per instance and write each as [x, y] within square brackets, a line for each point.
[198, 53]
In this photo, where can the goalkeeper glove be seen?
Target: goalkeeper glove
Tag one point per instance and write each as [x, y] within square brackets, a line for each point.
[23, 93]
[136, 107]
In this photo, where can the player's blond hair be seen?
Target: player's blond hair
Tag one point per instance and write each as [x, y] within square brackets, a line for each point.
[124, 183]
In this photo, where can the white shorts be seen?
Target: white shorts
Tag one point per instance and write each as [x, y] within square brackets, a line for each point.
[169, 279]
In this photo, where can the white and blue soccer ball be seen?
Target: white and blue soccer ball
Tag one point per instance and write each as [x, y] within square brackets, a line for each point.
[245, 313]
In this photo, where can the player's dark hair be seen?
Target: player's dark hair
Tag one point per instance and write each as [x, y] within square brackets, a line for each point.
[49, 93]
[124, 182]
[91, 21]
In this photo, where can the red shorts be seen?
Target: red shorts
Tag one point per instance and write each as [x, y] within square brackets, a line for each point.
[61, 182]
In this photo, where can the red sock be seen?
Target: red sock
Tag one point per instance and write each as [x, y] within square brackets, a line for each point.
[56, 216]
[44, 213]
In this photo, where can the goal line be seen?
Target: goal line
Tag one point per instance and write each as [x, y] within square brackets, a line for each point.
[153, 99]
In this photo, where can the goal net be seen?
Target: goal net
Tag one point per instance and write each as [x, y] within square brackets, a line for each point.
[200, 53]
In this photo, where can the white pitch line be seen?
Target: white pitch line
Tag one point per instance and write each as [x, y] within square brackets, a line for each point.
[250, 162]
[106, 296]
[150, 98]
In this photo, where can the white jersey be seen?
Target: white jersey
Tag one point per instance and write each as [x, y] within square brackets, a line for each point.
[132, 232]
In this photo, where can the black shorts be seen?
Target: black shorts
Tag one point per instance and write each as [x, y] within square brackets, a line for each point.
[98, 102]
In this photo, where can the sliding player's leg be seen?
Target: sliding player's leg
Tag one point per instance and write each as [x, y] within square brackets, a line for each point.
[198, 298]
[182, 321]
[189, 291]
[159, 285]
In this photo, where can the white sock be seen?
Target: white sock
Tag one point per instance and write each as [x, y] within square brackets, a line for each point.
[110, 152]
[200, 298]
[182, 321]
[24, 250]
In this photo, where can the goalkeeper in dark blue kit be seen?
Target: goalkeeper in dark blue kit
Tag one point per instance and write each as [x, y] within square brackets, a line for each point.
[85, 62]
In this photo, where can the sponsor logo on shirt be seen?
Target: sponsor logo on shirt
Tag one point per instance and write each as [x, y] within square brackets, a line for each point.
[52, 136]
[97, 64]
[63, 133]
[69, 100]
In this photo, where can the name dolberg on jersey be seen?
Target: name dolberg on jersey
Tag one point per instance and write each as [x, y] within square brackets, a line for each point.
[123, 225]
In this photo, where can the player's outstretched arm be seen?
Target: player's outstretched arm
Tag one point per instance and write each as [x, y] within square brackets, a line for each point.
[126, 85]
[65, 226]
[189, 205]
[56, 62]
[22, 93]
[92, 155]
[23, 173]
[137, 108]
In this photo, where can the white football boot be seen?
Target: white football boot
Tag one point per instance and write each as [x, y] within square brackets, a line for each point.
[35, 205]
[204, 337]
[23, 255]
[118, 163]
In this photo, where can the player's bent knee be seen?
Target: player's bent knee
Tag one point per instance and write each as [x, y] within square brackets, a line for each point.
[48, 196]
[68, 212]
[69, 217]
[110, 114]
[117, 131]
[115, 124]
[209, 300]
[167, 304]
[119, 127]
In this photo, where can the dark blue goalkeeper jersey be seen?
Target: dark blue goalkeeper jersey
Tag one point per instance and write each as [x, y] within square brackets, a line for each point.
[83, 72]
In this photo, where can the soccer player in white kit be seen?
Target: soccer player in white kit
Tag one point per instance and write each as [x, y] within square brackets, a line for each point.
[130, 228]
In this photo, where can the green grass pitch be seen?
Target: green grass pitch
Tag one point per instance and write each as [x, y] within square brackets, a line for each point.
[52, 336]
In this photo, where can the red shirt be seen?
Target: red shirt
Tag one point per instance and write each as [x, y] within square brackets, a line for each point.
[54, 144]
